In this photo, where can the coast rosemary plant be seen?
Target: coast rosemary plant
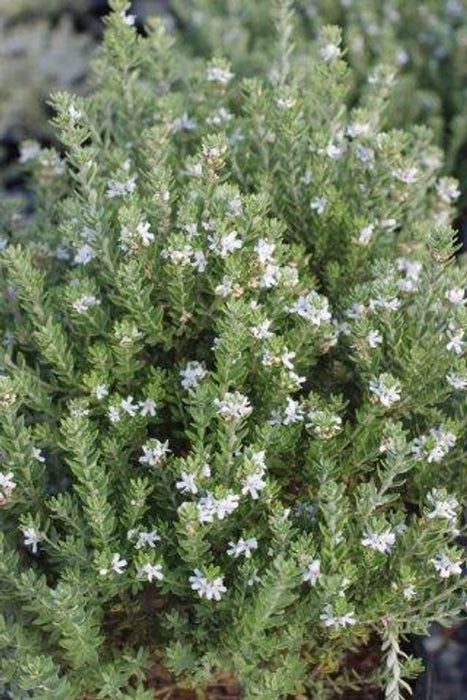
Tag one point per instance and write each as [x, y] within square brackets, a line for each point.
[233, 382]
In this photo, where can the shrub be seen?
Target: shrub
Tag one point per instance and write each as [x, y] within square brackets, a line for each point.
[232, 392]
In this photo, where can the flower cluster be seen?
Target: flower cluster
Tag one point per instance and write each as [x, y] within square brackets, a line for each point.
[433, 446]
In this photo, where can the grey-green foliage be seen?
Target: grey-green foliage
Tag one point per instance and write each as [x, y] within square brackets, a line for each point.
[233, 391]
[37, 57]
[425, 42]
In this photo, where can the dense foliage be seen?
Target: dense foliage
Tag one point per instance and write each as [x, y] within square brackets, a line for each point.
[39, 53]
[233, 380]
[424, 42]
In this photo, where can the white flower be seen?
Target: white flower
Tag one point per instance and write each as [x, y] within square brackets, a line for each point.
[268, 359]
[78, 411]
[287, 358]
[388, 303]
[101, 391]
[127, 19]
[318, 204]
[264, 250]
[192, 374]
[313, 307]
[37, 454]
[448, 190]
[296, 379]
[261, 331]
[181, 256]
[406, 175]
[61, 252]
[144, 233]
[85, 302]
[221, 116]
[198, 582]
[213, 152]
[154, 453]
[147, 407]
[242, 547]
[128, 406]
[235, 204]
[225, 288]
[334, 151]
[7, 482]
[329, 52]
[270, 276]
[365, 154]
[355, 311]
[84, 255]
[226, 505]
[379, 541]
[198, 261]
[114, 414]
[409, 592]
[365, 235]
[29, 150]
[329, 619]
[293, 412]
[456, 343]
[211, 589]
[183, 123]
[206, 471]
[116, 188]
[286, 102]
[386, 389]
[257, 458]
[218, 74]
[233, 406]
[7, 486]
[434, 446]
[457, 381]
[147, 539]
[32, 537]
[187, 483]
[455, 296]
[207, 508]
[74, 113]
[312, 572]
[446, 567]
[374, 338]
[389, 224]
[194, 169]
[225, 245]
[252, 484]
[118, 564]
[412, 270]
[132, 238]
[191, 229]
[150, 572]
[446, 508]
[355, 129]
